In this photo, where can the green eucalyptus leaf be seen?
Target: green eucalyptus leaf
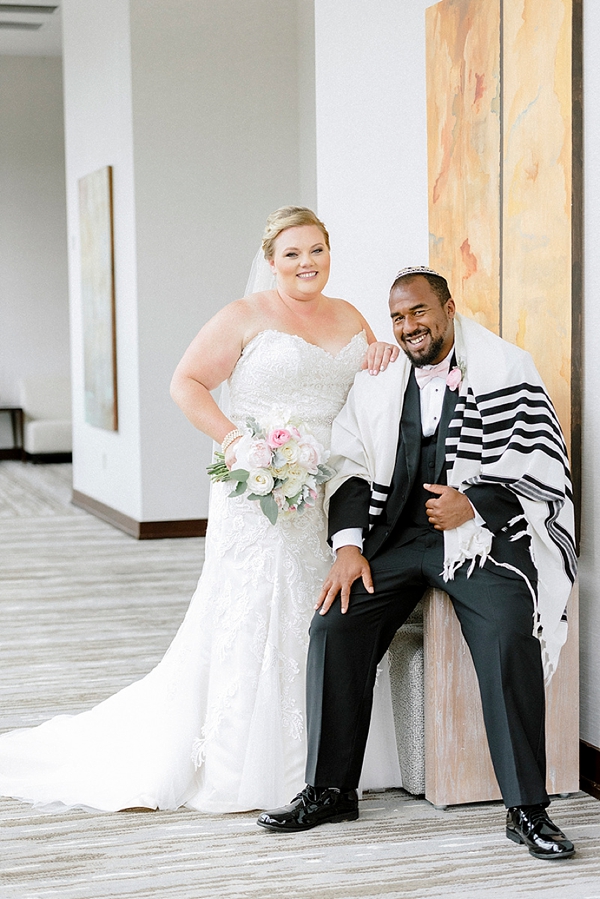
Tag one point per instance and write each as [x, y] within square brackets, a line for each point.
[269, 507]
[240, 488]
[240, 474]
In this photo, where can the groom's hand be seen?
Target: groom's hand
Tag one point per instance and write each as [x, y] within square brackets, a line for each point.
[350, 564]
[449, 509]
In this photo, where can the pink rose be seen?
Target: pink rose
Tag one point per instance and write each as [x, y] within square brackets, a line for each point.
[311, 453]
[278, 437]
[259, 455]
[279, 497]
[454, 379]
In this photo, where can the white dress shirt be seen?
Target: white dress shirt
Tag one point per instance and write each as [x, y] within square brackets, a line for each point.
[431, 396]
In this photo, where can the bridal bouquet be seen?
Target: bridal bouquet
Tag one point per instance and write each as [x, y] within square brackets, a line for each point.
[278, 466]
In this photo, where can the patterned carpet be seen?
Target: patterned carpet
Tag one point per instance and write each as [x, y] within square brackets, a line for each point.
[84, 610]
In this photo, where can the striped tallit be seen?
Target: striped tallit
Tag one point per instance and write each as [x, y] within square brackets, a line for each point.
[504, 431]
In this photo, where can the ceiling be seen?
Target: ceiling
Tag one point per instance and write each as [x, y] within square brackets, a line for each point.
[30, 29]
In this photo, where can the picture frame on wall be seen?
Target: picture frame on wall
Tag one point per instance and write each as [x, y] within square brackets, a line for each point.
[98, 298]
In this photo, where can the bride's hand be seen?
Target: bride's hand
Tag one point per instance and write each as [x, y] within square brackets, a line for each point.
[230, 456]
[379, 355]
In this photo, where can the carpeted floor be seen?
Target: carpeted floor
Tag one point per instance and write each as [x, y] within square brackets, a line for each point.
[84, 610]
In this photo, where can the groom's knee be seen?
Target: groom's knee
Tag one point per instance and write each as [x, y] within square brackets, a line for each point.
[337, 627]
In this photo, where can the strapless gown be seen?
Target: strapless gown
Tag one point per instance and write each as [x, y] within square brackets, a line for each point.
[219, 724]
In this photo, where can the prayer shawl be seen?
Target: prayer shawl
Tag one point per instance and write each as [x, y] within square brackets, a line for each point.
[504, 431]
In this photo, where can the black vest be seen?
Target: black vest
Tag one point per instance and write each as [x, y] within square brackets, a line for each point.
[419, 460]
[413, 520]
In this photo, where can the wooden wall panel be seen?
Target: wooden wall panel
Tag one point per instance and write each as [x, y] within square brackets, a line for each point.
[500, 95]
[463, 99]
[537, 192]
[458, 766]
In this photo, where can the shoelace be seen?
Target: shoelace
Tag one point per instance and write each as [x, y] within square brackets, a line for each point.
[537, 815]
[304, 796]
[311, 794]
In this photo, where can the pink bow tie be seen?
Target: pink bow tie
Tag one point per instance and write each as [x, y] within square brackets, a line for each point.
[425, 375]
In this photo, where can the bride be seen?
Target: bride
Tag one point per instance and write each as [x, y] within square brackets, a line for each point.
[219, 724]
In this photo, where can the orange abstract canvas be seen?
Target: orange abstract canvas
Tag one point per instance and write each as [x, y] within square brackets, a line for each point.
[463, 141]
[500, 129]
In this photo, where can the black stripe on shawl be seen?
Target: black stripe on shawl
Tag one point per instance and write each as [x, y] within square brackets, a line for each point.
[379, 488]
[519, 419]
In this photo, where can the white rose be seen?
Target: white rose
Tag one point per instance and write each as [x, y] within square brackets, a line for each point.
[294, 482]
[260, 482]
[288, 453]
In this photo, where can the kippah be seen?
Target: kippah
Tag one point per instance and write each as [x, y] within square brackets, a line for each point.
[417, 270]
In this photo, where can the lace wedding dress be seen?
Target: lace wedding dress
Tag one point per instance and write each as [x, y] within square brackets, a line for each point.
[219, 724]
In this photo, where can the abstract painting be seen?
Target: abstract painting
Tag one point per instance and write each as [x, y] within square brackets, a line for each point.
[98, 298]
[501, 99]
[463, 146]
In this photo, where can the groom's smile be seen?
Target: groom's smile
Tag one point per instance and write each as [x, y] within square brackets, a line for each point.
[423, 325]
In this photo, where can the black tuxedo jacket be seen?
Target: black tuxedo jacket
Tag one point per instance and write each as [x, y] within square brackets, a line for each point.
[349, 505]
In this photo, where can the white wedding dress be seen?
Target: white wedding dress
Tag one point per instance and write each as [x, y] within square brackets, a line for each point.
[219, 724]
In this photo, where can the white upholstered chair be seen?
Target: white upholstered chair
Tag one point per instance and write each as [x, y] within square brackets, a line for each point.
[46, 403]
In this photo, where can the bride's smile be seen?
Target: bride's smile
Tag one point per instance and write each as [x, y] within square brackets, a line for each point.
[301, 262]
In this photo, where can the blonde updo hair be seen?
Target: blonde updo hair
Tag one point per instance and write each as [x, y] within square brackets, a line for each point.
[289, 217]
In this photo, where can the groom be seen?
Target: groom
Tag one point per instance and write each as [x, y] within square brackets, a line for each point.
[451, 473]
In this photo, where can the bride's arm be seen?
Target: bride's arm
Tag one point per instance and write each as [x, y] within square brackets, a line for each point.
[207, 362]
[379, 353]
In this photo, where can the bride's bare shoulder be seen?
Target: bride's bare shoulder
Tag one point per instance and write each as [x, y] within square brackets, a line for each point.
[348, 315]
[244, 311]
[251, 314]
[346, 310]
[343, 306]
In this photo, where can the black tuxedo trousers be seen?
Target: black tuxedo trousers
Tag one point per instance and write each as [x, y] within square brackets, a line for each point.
[494, 607]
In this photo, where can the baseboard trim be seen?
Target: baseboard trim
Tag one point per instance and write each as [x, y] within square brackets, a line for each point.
[11, 453]
[141, 530]
[48, 458]
[589, 768]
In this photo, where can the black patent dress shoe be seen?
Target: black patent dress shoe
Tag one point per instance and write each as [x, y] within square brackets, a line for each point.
[311, 807]
[531, 825]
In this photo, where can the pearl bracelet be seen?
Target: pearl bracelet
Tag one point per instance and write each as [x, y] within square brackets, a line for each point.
[229, 438]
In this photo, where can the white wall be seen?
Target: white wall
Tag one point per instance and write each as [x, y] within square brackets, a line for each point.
[590, 536]
[197, 106]
[216, 148]
[307, 123]
[98, 132]
[34, 321]
[371, 145]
